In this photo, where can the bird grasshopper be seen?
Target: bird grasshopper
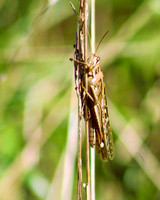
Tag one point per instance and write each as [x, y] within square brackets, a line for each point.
[100, 134]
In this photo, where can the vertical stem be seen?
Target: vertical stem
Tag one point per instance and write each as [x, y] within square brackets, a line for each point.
[79, 150]
[93, 51]
[83, 36]
[80, 111]
[93, 25]
[83, 16]
[86, 108]
[79, 129]
[92, 173]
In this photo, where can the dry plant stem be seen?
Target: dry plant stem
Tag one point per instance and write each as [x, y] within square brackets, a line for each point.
[83, 28]
[93, 51]
[80, 111]
[79, 148]
[86, 108]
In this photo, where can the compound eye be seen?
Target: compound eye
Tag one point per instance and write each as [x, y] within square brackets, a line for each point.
[98, 58]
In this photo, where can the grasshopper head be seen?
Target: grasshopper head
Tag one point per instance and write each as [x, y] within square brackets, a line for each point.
[93, 60]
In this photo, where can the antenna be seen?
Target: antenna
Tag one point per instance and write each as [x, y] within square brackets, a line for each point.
[101, 41]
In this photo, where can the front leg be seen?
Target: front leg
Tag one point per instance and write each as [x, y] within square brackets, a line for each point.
[79, 62]
[94, 99]
[87, 93]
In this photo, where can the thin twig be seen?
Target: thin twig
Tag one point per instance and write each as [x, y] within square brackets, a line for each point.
[83, 35]
[79, 147]
[81, 77]
[78, 68]
[93, 51]
[80, 111]
[86, 108]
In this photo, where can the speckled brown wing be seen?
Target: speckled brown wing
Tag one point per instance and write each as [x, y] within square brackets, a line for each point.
[107, 152]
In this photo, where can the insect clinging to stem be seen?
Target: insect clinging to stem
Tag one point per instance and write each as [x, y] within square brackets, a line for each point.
[100, 133]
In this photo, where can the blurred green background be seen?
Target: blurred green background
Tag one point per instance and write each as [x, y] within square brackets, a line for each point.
[38, 105]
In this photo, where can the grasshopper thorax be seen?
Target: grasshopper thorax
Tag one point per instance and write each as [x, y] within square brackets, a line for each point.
[93, 65]
[93, 60]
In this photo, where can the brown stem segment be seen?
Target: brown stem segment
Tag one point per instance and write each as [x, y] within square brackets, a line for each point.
[86, 108]
[83, 28]
[80, 78]
[80, 64]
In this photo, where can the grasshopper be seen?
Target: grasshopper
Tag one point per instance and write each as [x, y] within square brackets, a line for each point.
[100, 134]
